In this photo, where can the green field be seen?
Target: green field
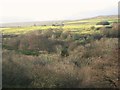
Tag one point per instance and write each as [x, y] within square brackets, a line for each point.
[81, 26]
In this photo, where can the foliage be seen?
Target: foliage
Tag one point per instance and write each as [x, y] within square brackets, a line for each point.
[91, 65]
[103, 23]
[75, 55]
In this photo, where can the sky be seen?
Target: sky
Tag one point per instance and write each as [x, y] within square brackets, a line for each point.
[47, 10]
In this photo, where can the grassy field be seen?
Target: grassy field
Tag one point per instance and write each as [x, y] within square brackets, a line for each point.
[78, 25]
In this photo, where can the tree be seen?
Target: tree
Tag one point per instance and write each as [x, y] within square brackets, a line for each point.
[103, 23]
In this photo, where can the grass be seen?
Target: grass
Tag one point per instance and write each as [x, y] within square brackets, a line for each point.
[83, 26]
[23, 30]
[79, 25]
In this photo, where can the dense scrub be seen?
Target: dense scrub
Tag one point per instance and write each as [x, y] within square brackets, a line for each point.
[89, 66]
[61, 60]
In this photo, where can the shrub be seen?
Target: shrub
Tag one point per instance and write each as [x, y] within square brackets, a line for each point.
[97, 36]
[73, 45]
[83, 41]
[36, 72]
[12, 42]
[108, 32]
[49, 78]
[56, 34]
[93, 27]
[103, 23]
[15, 73]
[34, 42]
[24, 43]
[64, 51]
[64, 35]
[48, 33]
[93, 64]
[115, 26]
[76, 36]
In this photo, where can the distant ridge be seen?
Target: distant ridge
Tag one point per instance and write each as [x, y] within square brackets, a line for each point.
[100, 17]
[107, 16]
[34, 23]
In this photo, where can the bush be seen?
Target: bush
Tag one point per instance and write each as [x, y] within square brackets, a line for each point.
[47, 78]
[48, 33]
[97, 36]
[34, 42]
[13, 43]
[115, 26]
[24, 43]
[103, 23]
[56, 34]
[36, 72]
[93, 64]
[15, 73]
[108, 32]
[64, 51]
[64, 35]
[73, 45]
[93, 27]
[76, 36]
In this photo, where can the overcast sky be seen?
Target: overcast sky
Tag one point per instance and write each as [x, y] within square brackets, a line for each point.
[44, 10]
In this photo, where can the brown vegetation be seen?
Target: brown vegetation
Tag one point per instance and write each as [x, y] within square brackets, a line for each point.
[94, 64]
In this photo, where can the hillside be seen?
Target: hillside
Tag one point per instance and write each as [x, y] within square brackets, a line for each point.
[93, 20]
[39, 23]
[78, 54]
[81, 26]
